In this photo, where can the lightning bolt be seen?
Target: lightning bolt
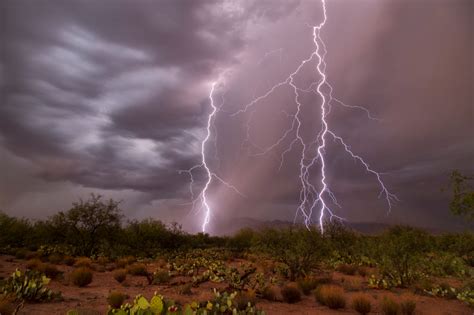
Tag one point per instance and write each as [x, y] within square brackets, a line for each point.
[314, 196]
[202, 198]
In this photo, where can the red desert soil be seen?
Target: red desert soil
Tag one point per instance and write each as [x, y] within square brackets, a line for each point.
[93, 297]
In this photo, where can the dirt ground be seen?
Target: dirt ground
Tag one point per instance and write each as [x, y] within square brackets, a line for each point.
[92, 298]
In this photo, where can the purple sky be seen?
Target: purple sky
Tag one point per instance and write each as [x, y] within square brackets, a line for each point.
[112, 97]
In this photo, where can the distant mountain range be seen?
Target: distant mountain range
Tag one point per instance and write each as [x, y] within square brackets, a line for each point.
[237, 224]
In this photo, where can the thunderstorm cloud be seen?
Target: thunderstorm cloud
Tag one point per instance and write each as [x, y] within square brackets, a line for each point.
[113, 96]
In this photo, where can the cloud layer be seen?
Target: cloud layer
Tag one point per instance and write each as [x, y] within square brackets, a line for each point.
[113, 97]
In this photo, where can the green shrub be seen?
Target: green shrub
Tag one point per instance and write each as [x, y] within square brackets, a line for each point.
[307, 284]
[81, 276]
[120, 275]
[389, 306]
[347, 269]
[137, 269]
[116, 299]
[290, 294]
[408, 307]
[361, 305]
[299, 249]
[330, 296]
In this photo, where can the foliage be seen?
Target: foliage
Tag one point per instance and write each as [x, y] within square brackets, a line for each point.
[299, 248]
[29, 286]
[88, 225]
[361, 304]
[291, 294]
[81, 276]
[330, 296]
[400, 251]
[462, 203]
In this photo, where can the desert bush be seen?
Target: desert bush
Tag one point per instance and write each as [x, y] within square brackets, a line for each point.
[308, 284]
[361, 304]
[137, 269]
[88, 226]
[408, 307]
[389, 306]
[85, 262]
[116, 299]
[347, 269]
[298, 248]
[81, 276]
[400, 250]
[290, 294]
[161, 277]
[241, 242]
[330, 296]
[120, 275]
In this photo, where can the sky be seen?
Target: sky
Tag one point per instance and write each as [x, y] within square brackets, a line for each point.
[112, 97]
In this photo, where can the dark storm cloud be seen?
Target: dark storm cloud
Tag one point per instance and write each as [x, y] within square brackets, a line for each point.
[112, 96]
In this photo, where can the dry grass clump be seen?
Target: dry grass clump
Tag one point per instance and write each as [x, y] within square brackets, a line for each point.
[269, 293]
[81, 276]
[50, 270]
[125, 261]
[291, 294]
[34, 264]
[161, 277]
[84, 262]
[120, 275]
[21, 253]
[116, 299]
[7, 305]
[330, 296]
[137, 269]
[185, 289]
[361, 304]
[389, 306]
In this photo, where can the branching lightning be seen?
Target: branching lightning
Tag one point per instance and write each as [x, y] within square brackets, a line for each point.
[314, 196]
[202, 198]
